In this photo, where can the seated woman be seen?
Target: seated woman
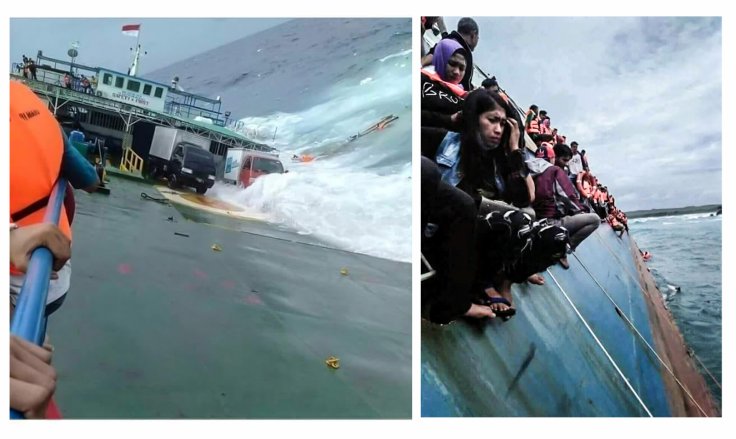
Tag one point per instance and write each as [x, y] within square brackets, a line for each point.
[442, 95]
[448, 242]
[556, 198]
[486, 162]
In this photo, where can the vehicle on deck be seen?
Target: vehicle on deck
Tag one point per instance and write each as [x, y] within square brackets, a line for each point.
[183, 158]
[243, 166]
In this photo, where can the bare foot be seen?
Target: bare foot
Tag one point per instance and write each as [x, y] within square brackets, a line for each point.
[479, 311]
[499, 307]
[536, 279]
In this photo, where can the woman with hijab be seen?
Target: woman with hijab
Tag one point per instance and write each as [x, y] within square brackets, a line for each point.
[442, 95]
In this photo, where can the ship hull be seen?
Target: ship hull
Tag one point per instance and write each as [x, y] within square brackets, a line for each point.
[571, 349]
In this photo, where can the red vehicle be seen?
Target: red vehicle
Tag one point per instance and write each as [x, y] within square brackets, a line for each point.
[255, 165]
[243, 166]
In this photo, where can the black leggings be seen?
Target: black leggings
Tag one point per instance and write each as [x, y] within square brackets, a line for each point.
[451, 248]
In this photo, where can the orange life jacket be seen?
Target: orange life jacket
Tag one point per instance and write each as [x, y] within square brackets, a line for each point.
[455, 88]
[533, 127]
[36, 151]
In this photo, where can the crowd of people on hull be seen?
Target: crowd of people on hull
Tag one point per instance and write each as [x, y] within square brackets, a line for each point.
[504, 196]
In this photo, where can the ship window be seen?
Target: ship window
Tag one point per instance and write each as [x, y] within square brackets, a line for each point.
[107, 79]
[159, 92]
[119, 82]
[133, 85]
[147, 89]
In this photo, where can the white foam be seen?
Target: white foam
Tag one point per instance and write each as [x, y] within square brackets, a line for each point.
[357, 211]
[355, 195]
[396, 55]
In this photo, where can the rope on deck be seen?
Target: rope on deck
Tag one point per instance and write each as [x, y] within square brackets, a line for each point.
[600, 345]
[637, 282]
[621, 313]
[147, 197]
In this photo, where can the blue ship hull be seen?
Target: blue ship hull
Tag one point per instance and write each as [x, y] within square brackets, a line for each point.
[569, 351]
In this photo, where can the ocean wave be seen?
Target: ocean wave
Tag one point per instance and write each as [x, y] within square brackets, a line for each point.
[396, 55]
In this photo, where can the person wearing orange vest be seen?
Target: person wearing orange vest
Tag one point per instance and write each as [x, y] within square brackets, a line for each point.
[442, 95]
[32, 378]
[39, 154]
[531, 121]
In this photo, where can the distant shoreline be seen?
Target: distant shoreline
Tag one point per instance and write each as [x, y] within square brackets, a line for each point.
[710, 208]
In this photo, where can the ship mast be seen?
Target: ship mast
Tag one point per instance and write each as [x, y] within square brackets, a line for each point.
[133, 70]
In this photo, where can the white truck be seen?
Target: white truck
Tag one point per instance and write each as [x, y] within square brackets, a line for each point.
[243, 166]
[183, 158]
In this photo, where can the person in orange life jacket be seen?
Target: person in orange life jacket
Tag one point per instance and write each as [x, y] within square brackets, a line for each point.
[531, 123]
[32, 378]
[37, 138]
[442, 95]
[467, 35]
[556, 198]
[542, 116]
[486, 161]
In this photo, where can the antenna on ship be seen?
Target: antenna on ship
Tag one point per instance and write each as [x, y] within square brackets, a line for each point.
[73, 53]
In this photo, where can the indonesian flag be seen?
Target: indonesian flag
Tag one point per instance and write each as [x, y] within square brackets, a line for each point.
[131, 30]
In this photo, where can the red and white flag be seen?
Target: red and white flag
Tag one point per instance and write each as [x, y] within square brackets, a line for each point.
[131, 30]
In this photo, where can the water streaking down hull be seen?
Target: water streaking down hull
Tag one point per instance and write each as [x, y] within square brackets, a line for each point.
[158, 325]
[545, 361]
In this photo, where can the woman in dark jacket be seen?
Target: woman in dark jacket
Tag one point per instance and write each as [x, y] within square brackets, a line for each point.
[486, 161]
[442, 95]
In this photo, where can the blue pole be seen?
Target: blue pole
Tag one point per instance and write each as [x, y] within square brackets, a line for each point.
[29, 315]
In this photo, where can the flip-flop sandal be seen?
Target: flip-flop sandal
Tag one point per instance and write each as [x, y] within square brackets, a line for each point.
[505, 314]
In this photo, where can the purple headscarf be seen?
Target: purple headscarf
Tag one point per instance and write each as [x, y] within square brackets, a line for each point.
[442, 53]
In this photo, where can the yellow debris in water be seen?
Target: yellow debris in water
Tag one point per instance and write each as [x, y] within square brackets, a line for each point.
[344, 271]
[333, 362]
[216, 248]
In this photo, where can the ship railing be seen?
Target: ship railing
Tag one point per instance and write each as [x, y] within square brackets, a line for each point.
[29, 318]
[131, 162]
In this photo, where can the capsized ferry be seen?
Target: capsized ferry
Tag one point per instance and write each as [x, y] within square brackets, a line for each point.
[594, 340]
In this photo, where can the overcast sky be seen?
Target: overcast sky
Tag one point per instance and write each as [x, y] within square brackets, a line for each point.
[102, 43]
[641, 95]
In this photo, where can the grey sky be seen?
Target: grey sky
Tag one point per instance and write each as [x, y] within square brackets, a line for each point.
[641, 95]
[102, 43]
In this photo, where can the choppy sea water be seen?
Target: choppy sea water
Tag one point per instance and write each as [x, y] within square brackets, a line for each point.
[306, 87]
[686, 264]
